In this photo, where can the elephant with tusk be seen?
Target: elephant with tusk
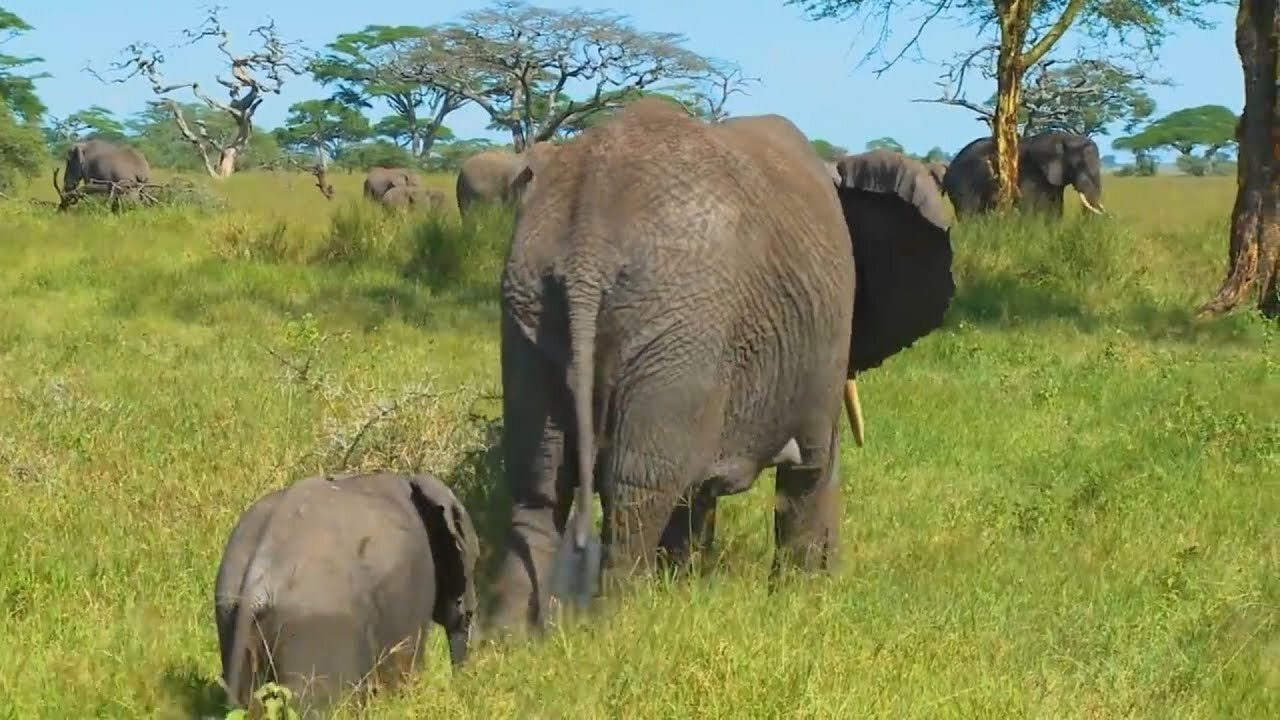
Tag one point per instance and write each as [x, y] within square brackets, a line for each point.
[681, 306]
[1047, 164]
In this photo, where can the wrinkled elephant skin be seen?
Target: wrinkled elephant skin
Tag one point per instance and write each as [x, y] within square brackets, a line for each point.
[335, 581]
[678, 313]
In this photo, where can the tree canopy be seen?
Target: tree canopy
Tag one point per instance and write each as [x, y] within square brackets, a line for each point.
[1014, 36]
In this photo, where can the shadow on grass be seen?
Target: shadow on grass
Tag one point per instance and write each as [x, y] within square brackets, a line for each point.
[477, 480]
[1093, 274]
[194, 694]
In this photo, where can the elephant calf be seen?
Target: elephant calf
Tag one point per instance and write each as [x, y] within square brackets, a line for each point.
[334, 581]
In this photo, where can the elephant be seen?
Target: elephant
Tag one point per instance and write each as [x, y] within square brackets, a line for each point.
[489, 176]
[938, 171]
[381, 179]
[101, 166]
[338, 578]
[400, 196]
[1048, 162]
[678, 314]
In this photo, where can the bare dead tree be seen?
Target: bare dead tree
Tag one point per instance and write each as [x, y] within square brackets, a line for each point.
[517, 62]
[251, 76]
[707, 95]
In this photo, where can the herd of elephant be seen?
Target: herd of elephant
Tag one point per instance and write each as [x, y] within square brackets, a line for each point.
[683, 305]
[1048, 162]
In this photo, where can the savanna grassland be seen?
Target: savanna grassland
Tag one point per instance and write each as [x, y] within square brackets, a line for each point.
[1068, 505]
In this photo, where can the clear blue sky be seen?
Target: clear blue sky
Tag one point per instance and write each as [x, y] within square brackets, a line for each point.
[807, 69]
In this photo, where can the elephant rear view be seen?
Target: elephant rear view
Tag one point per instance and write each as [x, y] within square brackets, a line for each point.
[332, 583]
[379, 180]
[678, 307]
[1047, 163]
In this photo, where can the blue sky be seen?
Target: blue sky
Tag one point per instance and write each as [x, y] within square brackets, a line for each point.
[807, 69]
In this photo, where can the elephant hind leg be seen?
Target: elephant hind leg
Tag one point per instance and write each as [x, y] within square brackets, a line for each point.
[653, 461]
[691, 529]
[806, 523]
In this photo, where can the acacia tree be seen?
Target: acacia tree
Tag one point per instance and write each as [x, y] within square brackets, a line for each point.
[21, 146]
[1210, 128]
[323, 127]
[362, 66]
[519, 63]
[252, 76]
[1253, 253]
[1025, 32]
[1085, 96]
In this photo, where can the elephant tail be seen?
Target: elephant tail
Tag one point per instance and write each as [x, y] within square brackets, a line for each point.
[584, 305]
[240, 670]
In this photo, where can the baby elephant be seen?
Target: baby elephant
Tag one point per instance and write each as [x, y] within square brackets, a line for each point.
[334, 582]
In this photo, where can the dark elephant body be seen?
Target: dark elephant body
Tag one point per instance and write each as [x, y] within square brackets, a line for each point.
[99, 165]
[1047, 163]
[379, 180]
[334, 581]
[678, 297]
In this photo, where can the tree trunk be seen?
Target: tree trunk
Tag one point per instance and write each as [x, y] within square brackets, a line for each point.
[1004, 125]
[1253, 255]
[226, 162]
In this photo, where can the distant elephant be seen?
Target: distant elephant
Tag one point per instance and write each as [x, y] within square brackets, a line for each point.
[489, 176]
[336, 579]
[400, 196]
[101, 166]
[938, 171]
[1047, 162]
[381, 179]
[677, 314]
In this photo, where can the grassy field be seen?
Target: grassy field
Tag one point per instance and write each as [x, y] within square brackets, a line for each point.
[1067, 506]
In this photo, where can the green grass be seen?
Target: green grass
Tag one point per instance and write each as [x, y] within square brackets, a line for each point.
[1067, 506]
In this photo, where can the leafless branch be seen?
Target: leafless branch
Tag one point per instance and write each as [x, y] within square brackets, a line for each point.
[252, 75]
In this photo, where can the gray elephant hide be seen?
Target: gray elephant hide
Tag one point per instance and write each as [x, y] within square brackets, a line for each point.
[333, 583]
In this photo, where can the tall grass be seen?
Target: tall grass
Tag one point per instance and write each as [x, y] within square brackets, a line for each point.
[1066, 507]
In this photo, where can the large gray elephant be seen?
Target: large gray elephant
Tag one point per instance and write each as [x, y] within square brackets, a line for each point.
[101, 166]
[379, 180]
[336, 579]
[489, 176]
[1048, 162]
[678, 313]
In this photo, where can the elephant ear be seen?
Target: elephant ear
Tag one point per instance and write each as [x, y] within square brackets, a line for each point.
[529, 164]
[902, 254]
[454, 545]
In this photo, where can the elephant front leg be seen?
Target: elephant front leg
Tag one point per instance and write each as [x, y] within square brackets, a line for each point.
[806, 523]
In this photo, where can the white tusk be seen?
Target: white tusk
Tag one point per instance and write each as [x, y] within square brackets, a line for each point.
[853, 408]
[1090, 206]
